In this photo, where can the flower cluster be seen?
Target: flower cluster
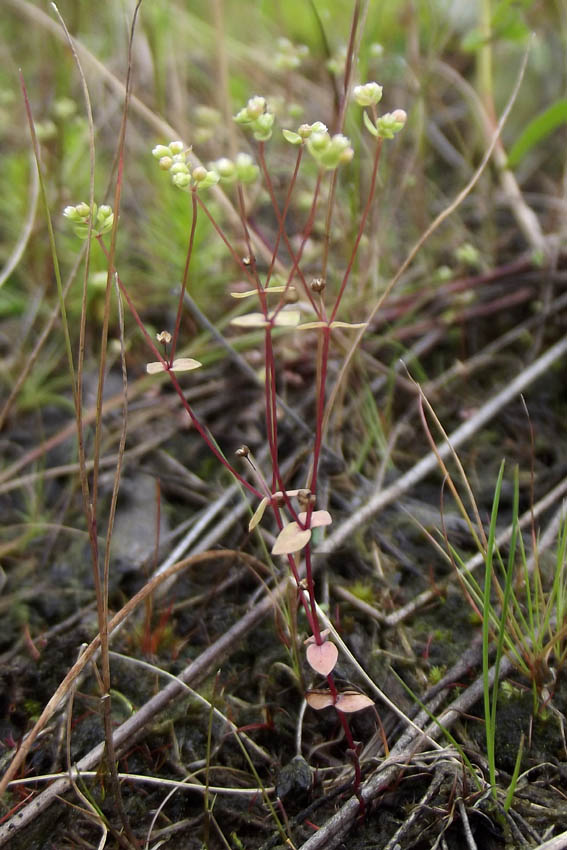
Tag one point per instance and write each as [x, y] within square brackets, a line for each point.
[81, 214]
[289, 56]
[175, 159]
[256, 117]
[384, 126]
[243, 168]
[329, 151]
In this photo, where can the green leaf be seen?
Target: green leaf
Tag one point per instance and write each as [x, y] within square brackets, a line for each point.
[538, 129]
[368, 124]
[291, 137]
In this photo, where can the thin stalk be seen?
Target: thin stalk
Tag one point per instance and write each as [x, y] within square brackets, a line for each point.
[194, 209]
[234, 254]
[361, 226]
[281, 216]
[305, 236]
[199, 427]
[489, 708]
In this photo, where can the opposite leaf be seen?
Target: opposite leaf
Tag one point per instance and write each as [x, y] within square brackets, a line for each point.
[322, 658]
[351, 701]
[258, 513]
[291, 539]
[347, 702]
[182, 364]
[317, 518]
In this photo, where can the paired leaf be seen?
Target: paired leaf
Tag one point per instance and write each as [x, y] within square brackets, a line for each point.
[369, 124]
[317, 518]
[284, 319]
[347, 702]
[277, 289]
[308, 326]
[291, 539]
[322, 658]
[182, 364]
[258, 514]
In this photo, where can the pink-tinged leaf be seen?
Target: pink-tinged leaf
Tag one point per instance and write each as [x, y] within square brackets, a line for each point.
[347, 702]
[319, 699]
[258, 514]
[155, 367]
[268, 291]
[250, 320]
[246, 294]
[291, 539]
[311, 639]
[185, 364]
[351, 701]
[317, 518]
[322, 658]
[351, 325]
[287, 319]
[309, 326]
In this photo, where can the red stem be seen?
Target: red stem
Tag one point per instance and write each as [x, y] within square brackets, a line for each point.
[155, 351]
[185, 274]
[361, 226]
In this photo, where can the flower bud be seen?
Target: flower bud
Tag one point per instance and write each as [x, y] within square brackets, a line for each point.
[71, 213]
[83, 210]
[262, 126]
[181, 180]
[255, 107]
[176, 147]
[246, 169]
[391, 123]
[165, 163]
[179, 168]
[368, 94]
[319, 142]
[225, 168]
[199, 173]
[161, 150]
[204, 178]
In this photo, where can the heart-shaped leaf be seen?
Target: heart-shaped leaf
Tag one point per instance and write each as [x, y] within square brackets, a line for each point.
[322, 658]
[351, 701]
[317, 518]
[347, 702]
[291, 539]
[319, 699]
